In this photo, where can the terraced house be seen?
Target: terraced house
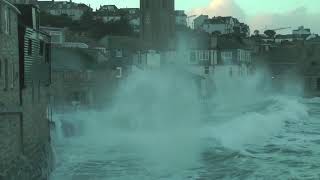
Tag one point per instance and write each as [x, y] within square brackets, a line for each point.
[24, 126]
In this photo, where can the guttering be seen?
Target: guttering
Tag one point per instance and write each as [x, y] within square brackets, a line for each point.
[11, 5]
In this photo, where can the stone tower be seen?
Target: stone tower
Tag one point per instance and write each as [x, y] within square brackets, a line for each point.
[158, 23]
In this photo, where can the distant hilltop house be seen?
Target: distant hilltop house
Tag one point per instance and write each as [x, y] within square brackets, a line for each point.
[70, 9]
[300, 34]
[24, 1]
[108, 13]
[221, 25]
[111, 13]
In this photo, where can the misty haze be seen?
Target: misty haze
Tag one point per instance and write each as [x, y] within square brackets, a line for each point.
[159, 89]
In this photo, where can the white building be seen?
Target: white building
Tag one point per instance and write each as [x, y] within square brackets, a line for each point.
[224, 54]
[221, 25]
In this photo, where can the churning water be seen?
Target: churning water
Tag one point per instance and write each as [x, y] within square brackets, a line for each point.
[157, 129]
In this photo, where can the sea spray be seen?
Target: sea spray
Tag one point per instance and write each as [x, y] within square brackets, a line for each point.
[155, 126]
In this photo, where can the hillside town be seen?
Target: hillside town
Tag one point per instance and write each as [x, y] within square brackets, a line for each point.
[59, 56]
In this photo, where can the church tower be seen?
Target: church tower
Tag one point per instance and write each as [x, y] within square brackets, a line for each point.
[158, 23]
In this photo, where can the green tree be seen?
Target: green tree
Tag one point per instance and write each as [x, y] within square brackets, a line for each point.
[270, 33]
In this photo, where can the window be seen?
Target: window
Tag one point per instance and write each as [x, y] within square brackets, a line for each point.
[41, 50]
[119, 53]
[206, 55]
[30, 47]
[193, 57]
[119, 75]
[226, 57]
[206, 70]
[6, 20]
[39, 92]
[47, 53]
[6, 74]
[32, 93]
[12, 76]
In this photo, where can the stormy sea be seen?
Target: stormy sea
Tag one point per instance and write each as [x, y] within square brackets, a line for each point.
[156, 128]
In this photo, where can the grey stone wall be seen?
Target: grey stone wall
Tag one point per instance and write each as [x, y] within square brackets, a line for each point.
[9, 51]
[25, 150]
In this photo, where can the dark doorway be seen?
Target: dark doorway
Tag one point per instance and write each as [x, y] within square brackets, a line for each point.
[318, 84]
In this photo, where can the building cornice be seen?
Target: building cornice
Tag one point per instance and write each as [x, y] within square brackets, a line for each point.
[11, 6]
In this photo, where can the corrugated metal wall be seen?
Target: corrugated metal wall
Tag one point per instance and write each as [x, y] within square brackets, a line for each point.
[36, 66]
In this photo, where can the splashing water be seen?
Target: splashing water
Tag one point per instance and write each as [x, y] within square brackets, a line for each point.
[158, 129]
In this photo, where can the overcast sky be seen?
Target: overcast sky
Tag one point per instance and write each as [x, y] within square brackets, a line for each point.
[259, 14]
